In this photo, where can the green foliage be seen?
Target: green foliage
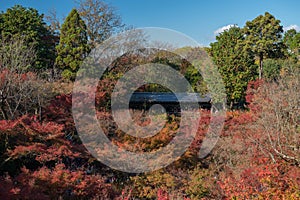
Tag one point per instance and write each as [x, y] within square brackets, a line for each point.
[276, 68]
[197, 188]
[292, 40]
[191, 71]
[73, 47]
[289, 66]
[271, 69]
[28, 24]
[263, 38]
[235, 64]
[196, 80]
[147, 185]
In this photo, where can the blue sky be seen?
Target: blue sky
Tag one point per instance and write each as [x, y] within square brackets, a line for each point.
[199, 19]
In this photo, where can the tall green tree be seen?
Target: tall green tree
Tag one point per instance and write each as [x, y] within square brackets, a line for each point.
[72, 47]
[26, 23]
[235, 65]
[264, 38]
[292, 41]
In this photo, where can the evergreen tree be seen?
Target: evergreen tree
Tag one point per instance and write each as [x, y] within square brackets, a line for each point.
[72, 47]
[263, 38]
[27, 24]
[292, 41]
[234, 64]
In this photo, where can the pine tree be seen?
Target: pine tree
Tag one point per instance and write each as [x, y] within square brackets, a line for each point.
[73, 47]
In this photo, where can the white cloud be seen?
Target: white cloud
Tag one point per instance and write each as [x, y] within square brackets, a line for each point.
[294, 26]
[224, 28]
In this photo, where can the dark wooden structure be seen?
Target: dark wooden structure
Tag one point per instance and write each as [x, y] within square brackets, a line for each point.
[170, 101]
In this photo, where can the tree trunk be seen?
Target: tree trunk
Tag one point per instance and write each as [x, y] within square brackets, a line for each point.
[260, 66]
[4, 115]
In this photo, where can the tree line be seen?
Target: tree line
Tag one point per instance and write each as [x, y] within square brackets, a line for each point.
[58, 46]
[261, 49]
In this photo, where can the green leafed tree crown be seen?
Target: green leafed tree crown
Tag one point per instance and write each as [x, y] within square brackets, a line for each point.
[234, 64]
[73, 47]
[263, 38]
[27, 24]
[292, 41]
